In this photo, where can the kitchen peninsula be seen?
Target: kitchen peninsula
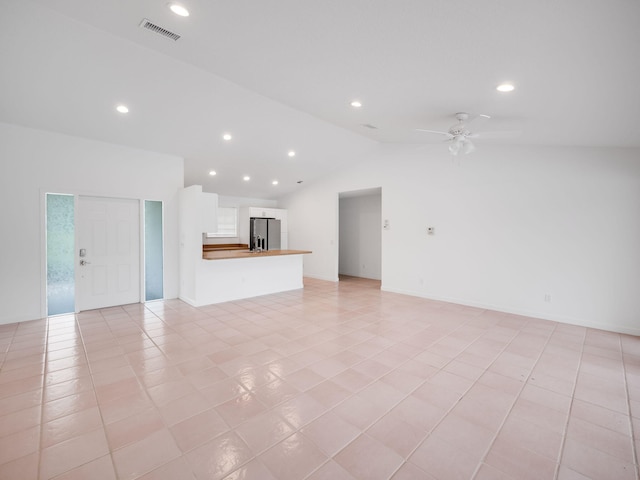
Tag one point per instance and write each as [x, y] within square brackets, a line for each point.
[228, 254]
[215, 275]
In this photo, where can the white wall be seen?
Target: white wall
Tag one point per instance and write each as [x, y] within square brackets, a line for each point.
[34, 161]
[512, 224]
[360, 238]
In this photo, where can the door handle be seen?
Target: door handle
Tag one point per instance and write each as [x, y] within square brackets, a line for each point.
[84, 262]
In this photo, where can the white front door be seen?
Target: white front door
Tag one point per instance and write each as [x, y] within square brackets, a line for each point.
[108, 252]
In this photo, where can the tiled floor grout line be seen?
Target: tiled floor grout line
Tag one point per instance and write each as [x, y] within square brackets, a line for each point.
[364, 431]
[6, 353]
[447, 412]
[373, 380]
[45, 370]
[230, 428]
[626, 389]
[524, 384]
[406, 460]
[517, 396]
[573, 392]
[104, 423]
[157, 408]
[93, 385]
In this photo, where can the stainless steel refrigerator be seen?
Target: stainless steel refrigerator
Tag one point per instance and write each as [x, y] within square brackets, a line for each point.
[264, 234]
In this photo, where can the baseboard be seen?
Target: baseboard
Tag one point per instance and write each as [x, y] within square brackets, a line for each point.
[320, 277]
[188, 300]
[22, 318]
[628, 330]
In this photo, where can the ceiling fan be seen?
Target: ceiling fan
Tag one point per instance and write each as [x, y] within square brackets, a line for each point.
[459, 136]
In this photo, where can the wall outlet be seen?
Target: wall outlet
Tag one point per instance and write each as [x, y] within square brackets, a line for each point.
[547, 297]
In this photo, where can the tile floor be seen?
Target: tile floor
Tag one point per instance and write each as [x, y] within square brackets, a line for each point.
[336, 381]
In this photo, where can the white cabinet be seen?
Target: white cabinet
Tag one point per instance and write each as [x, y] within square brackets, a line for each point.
[259, 212]
[209, 207]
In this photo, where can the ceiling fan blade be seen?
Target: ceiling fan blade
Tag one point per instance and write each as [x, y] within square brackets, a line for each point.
[498, 134]
[479, 118]
[431, 131]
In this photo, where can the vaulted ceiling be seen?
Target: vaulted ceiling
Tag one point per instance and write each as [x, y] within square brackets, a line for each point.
[280, 76]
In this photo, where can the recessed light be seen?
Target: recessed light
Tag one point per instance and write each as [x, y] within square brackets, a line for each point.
[179, 9]
[291, 153]
[122, 109]
[212, 173]
[505, 87]
[246, 178]
[227, 136]
[356, 104]
[275, 182]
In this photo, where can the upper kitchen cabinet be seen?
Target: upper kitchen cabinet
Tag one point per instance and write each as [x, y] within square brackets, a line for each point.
[209, 207]
[201, 208]
[263, 212]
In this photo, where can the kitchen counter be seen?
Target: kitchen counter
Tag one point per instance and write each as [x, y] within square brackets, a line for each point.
[237, 273]
[229, 254]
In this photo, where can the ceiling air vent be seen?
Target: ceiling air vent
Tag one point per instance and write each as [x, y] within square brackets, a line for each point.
[158, 29]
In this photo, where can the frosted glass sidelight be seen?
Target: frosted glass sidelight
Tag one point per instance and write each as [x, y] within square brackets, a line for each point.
[60, 254]
[153, 260]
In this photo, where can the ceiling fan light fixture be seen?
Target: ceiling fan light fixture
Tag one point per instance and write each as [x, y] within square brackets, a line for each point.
[468, 147]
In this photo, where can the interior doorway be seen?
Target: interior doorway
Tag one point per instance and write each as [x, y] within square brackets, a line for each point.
[360, 234]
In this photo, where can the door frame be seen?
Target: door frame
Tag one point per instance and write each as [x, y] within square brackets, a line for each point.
[361, 192]
[43, 238]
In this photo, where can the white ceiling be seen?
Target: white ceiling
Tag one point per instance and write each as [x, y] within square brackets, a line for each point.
[279, 75]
